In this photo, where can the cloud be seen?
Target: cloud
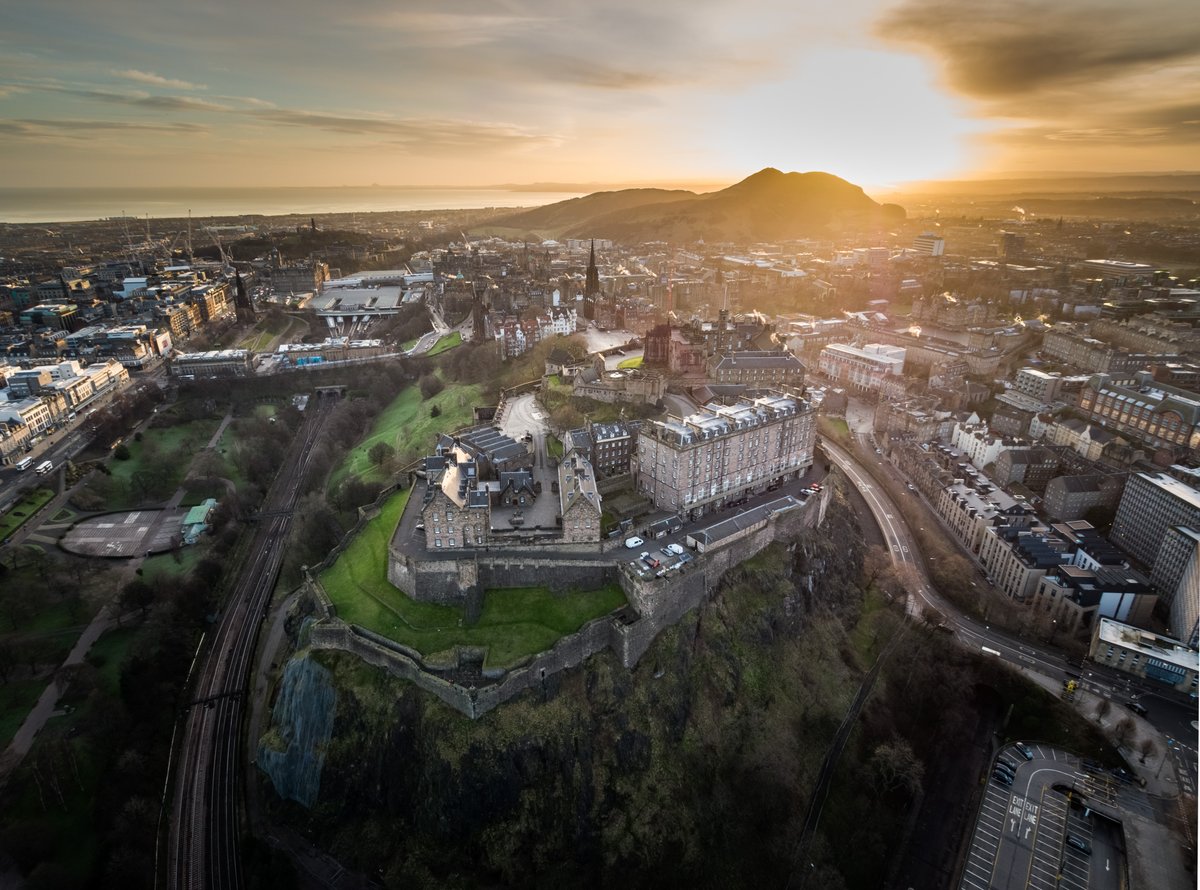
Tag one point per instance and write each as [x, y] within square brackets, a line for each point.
[158, 80]
[134, 99]
[84, 130]
[1019, 47]
[420, 135]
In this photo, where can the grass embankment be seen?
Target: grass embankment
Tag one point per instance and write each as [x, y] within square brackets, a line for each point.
[635, 362]
[514, 623]
[406, 425]
[448, 342]
[264, 334]
[24, 509]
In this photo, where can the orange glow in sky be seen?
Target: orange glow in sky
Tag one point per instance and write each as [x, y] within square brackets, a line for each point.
[521, 91]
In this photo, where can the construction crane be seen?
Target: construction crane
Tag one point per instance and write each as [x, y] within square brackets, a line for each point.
[225, 257]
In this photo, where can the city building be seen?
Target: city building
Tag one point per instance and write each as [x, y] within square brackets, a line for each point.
[1162, 417]
[696, 464]
[864, 369]
[608, 446]
[1039, 385]
[1073, 598]
[579, 501]
[929, 244]
[757, 368]
[1176, 574]
[1071, 497]
[457, 510]
[1145, 654]
[1151, 504]
[1016, 559]
[1030, 465]
[214, 363]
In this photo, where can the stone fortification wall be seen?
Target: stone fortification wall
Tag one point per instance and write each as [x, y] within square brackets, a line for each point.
[453, 581]
[659, 604]
[474, 701]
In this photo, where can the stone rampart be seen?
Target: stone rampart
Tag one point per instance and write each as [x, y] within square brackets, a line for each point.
[659, 603]
[452, 581]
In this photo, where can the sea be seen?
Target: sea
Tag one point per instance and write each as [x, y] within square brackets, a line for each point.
[50, 205]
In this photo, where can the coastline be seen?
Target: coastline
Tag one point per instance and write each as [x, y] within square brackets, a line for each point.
[46, 206]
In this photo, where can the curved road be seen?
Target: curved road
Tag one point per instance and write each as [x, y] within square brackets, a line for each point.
[1169, 717]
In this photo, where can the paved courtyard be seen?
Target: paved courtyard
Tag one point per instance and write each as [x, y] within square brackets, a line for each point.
[135, 533]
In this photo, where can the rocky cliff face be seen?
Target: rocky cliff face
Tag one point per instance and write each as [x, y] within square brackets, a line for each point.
[693, 769]
[292, 753]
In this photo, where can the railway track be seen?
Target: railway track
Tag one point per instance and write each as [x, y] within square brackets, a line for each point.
[205, 832]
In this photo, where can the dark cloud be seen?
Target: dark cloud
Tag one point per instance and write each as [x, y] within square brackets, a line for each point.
[1018, 47]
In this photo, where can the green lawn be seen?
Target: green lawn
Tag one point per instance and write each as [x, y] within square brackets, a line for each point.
[159, 461]
[635, 362]
[554, 448]
[23, 509]
[514, 623]
[165, 565]
[110, 651]
[447, 342]
[406, 425]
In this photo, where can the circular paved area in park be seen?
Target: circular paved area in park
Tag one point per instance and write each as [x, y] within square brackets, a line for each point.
[125, 534]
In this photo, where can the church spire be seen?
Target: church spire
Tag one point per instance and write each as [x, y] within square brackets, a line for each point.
[591, 285]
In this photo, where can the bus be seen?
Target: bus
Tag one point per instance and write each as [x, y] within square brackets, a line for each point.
[24, 463]
[45, 467]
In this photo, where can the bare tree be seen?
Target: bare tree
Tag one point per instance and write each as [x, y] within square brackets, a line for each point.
[1147, 749]
[1125, 730]
[894, 765]
[1103, 707]
[876, 561]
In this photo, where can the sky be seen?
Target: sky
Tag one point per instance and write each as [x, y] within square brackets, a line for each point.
[482, 92]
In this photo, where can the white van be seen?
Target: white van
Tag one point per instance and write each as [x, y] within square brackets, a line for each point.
[24, 463]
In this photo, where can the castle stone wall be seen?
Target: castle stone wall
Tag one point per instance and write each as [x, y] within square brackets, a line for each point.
[659, 602]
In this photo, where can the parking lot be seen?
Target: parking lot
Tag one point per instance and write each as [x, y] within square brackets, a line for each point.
[1045, 823]
[654, 561]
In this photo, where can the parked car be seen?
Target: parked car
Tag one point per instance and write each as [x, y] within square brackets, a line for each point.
[1137, 708]
[1079, 844]
[1024, 750]
[677, 549]
[1002, 777]
[633, 542]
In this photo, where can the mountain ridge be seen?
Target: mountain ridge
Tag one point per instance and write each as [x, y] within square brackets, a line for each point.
[767, 205]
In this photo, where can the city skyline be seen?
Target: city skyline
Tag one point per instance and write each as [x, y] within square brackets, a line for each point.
[121, 94]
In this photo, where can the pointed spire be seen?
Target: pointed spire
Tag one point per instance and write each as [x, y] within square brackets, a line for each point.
[591, 285]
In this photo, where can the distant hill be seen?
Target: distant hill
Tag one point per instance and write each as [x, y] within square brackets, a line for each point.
[563, 215]
[767, 206]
